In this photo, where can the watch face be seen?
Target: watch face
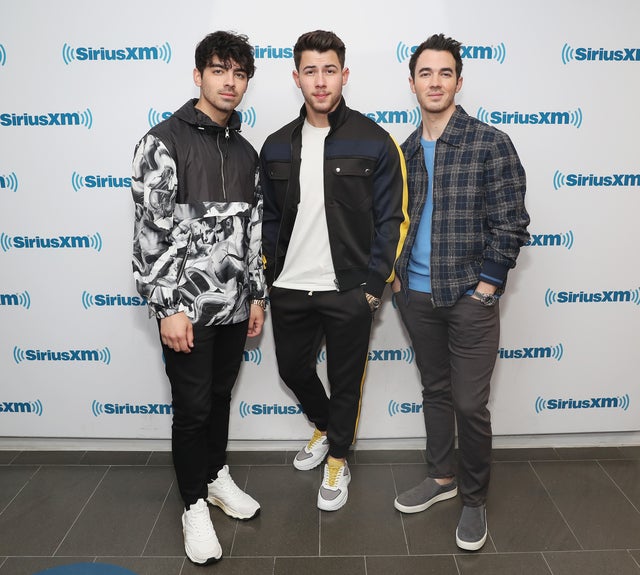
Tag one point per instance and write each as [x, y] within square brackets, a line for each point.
[488, 299]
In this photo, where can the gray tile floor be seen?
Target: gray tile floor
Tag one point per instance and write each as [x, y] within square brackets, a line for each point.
[551, 511]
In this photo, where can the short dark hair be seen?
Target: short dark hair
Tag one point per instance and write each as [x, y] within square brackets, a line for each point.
[441, 43]
[227, 46]
[319, 41]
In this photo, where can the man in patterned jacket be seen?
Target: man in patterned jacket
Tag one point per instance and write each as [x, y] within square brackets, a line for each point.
[197, 260]
[468, 222]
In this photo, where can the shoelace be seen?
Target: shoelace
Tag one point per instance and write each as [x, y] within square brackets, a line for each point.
[315, 438]
[200, 522]
[332, 472]
[227, 484]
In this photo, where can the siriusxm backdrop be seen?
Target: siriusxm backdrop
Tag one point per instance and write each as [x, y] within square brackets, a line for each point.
[82, 81]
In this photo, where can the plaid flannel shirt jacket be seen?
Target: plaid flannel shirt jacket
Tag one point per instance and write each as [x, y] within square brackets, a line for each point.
[479, 217]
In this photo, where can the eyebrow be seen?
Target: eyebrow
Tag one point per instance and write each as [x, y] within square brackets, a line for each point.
[325, 66]
[428, 69]
[226, 67]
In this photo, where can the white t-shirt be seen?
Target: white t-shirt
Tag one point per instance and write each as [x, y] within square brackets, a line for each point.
[308, 264]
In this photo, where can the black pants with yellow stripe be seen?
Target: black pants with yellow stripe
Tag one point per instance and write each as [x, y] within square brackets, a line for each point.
[301, 320]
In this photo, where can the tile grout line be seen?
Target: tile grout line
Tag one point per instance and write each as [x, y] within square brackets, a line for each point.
[404, 531]
[546, 562]
[81, 510]
[164, 502]
[633, 558]
[37, 470]
[617, 486]
[546, 490]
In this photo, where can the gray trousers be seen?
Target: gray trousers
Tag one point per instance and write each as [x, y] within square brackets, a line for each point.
[455, 349]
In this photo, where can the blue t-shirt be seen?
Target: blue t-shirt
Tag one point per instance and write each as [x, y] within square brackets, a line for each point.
[419, 267]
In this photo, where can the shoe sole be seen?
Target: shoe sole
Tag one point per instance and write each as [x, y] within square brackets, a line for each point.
[424, 506]
[232, 512]
[304, 466]
[337, 503]
[209, 561]
[333, 505]
[471, 545]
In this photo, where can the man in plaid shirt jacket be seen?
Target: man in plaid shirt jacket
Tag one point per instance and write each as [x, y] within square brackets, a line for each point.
[467, 224]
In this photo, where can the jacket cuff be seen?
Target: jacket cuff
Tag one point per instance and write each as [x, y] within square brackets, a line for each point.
[161, 312]
[493, 273]
[375, 285]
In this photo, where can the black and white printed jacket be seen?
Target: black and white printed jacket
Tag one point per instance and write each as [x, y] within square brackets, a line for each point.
[198, 219]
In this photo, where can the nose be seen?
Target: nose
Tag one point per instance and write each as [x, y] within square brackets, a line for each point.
[321, 79]
[229, 78]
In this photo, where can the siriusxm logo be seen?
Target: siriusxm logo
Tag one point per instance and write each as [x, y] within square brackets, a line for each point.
[93, 242]
[413, 117]
[247, 116]
[89, 355]
[98, 408]
[407, 355]
[3, 55]
[568, 118]
[16, 299]
[272, 52]
[247, 409]
[496, 52]
[106, 300]
[620, 402]
[32, 407]
[561, 180]
[564, 240]
[130, 53]
[9, 182]
[395, 408]
[556, 352]
[252, 356]
[98, 181]
[48, 119]
[570, 54]
[611, 296]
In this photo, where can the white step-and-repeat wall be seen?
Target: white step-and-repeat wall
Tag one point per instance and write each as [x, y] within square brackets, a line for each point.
[82, 81]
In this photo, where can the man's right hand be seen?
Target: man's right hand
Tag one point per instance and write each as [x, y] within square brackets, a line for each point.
[176, 332]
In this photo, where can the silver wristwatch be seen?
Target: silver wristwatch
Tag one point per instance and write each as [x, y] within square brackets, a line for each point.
[487, 299]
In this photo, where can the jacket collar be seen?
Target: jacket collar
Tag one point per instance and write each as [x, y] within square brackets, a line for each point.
[190, 114]
[335, 118]
[452, 134]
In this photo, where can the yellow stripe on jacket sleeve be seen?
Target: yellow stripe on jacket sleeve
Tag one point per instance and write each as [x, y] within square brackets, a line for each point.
[404, 226]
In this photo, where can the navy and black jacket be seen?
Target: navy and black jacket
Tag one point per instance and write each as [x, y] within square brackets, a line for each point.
[365, 192]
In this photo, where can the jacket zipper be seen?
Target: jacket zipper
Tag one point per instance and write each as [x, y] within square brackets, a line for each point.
[226, 136]
[184, 260]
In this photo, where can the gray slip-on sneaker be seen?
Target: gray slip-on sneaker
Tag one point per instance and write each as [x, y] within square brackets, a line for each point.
[424, 495]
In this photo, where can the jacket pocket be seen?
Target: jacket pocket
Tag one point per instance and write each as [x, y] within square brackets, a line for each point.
[279, 170]
[353, 184]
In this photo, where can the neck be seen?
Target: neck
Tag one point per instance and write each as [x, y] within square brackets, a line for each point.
[317, 120]
[219, 117]
[434, 124]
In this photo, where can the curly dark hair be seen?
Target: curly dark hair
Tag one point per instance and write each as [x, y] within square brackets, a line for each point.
[227, 46]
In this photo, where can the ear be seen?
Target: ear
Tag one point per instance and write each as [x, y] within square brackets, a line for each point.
[412, 85]
[345, 76]
[459, 84]
[296, 77]
[197, 77]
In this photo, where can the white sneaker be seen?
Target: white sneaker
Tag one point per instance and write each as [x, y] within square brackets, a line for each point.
[333, 492]
[200, 541]
[313, 453]
[224, 493]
